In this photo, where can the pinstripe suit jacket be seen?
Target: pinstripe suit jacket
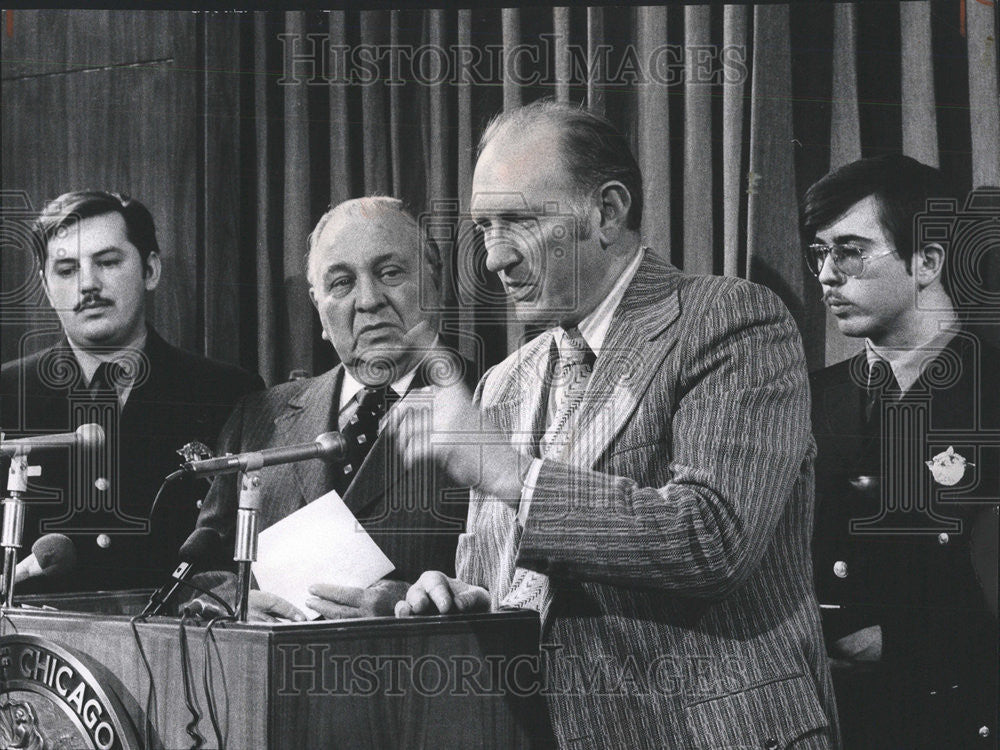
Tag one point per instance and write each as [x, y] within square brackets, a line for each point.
[675, 529]
[414, 516]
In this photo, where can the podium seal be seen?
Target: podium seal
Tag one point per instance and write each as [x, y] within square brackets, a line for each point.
[50, 698]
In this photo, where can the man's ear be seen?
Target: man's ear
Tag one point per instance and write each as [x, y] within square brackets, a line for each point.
[928, 263]
[616, 202]
[312, 296]
[152, 271]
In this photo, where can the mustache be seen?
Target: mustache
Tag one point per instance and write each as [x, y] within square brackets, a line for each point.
[92, 299]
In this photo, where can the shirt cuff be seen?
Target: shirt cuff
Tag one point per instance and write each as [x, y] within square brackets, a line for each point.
[527, 490]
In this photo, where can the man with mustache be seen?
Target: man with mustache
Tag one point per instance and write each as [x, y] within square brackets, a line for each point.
[376, 283]
[643, 469]
[99, 259]
[907, 481]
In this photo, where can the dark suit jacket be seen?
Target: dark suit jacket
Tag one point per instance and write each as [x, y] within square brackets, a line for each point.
[415, 516]
[919, 574]
[179, 397]
[675, 530]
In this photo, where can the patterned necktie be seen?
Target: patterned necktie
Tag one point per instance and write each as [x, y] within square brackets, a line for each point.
[528, 588]
[569, 384]
[361, 432]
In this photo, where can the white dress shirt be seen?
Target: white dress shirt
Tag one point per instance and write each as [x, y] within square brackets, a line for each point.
[907, 364]
[594, 329]
[351, 387]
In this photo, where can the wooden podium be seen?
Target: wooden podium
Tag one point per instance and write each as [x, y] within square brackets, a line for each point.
[430, 682]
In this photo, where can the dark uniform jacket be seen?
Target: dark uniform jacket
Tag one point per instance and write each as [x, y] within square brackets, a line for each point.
[897, 547]
[102, 499]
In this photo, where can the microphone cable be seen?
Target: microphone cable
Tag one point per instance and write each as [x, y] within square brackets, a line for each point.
[210, 594]
[189, 699]
[207, 682]
[4, 617]
[151, 695]
[156, 498]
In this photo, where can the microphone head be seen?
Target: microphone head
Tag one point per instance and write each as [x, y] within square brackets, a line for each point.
[55, 553]
[202, 544]
[89, 436]
[331, 444]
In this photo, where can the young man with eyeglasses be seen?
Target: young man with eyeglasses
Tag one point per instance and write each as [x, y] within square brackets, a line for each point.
[905, 549]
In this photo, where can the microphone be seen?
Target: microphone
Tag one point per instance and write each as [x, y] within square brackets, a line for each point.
[86, 436]
[51, 555]
[196, 548]
[329, 445]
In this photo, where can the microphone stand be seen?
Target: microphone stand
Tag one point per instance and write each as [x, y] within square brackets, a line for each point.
[246, 537]
[13, 520]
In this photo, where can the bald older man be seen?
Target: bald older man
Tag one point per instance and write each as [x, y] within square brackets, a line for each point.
[375, 282]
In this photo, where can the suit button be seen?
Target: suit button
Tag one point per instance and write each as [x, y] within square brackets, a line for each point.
[943, 538]
[103, 541]
[771, 744]
[840, 569]
[864, 483]
[984, 732]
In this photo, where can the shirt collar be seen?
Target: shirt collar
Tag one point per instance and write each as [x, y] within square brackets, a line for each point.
[594, 327]
[89, 361]
[351, 387]
[907, 364]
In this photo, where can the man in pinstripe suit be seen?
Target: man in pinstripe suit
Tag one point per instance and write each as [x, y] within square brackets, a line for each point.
[652, 498]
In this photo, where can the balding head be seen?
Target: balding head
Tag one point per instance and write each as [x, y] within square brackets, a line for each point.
[592, 150]
[385, 211]
[375, 284]
[554, 194]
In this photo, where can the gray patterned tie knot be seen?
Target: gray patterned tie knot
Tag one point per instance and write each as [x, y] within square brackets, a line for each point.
[576, 363]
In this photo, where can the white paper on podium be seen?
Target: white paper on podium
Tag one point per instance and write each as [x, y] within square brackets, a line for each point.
[320, 543]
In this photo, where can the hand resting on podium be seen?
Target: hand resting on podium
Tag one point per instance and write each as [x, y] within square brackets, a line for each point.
[340, 602]
[331, 601]
[435, 593]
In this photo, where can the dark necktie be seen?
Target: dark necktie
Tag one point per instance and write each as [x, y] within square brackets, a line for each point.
[361, 432]
[881, 384]
[104, 384]
[881, 389]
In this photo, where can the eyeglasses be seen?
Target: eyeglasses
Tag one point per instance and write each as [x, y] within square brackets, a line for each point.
[848, 259]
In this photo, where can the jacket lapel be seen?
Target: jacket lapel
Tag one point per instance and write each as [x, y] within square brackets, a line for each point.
[638, 340]
[520, 409]
[842, 402]
[378, 474]
[309, 414]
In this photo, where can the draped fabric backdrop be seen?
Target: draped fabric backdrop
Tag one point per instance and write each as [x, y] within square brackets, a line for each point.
[248, 132]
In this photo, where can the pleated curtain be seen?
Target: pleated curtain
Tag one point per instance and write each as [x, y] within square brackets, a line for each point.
[798, 90]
